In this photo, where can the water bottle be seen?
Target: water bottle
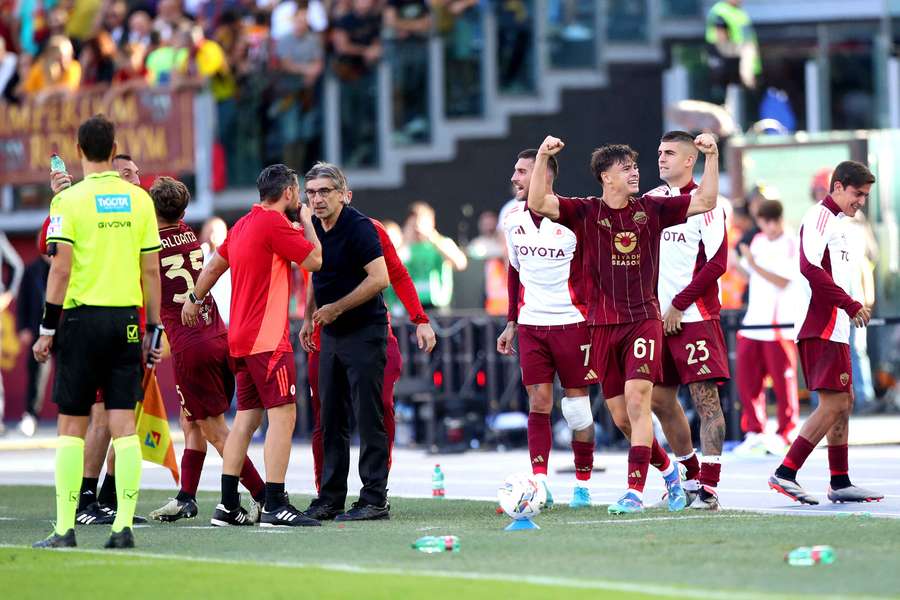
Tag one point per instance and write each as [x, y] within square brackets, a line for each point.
[807, 556]
[437, 482]
[437, 543]
[57, 163]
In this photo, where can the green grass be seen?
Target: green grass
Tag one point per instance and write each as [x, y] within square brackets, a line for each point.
[730, 554]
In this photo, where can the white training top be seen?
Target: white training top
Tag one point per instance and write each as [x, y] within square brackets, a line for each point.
[769, 304]
[543, 257]
[826, 254]
[683, 249]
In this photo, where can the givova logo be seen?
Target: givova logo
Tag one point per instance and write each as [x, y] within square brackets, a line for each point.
[113, 203]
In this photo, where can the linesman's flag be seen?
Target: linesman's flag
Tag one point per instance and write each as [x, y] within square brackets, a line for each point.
[153, 426]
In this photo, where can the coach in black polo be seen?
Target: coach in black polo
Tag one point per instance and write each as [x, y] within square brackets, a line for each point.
[346, 304]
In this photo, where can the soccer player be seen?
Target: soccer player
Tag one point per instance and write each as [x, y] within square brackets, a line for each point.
[828, 312]
[259, 250]
[205, 383]
[425, 338]
[105, 266]
[94, 508]
[621, 235]
[772, 266]
[547, 309]
[692, 257]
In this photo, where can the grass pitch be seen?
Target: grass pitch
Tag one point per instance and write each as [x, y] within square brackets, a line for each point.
[584, 552]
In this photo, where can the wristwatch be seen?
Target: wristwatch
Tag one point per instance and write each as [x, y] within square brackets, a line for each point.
[194, 299]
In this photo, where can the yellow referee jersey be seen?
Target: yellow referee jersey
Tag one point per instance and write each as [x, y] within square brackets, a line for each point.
[109, 223]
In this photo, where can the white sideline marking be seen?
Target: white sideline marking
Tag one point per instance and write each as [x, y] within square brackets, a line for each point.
[614, 521]
[586, 584]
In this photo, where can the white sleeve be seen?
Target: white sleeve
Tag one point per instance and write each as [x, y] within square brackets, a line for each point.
[9, 254]
[813, 236]
[510, 249]
[712, 232]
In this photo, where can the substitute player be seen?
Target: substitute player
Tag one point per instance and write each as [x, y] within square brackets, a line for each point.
[548, 311]
[823, 335]
[105, 267]
[621, 258]
[692, 257]
[203, 371]
[425, 339]
[259, 250]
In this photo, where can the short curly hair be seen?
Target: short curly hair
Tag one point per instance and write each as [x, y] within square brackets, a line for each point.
[607, 155]
[170, 197]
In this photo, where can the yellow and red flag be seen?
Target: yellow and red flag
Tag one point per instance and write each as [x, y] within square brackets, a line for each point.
[153, 426]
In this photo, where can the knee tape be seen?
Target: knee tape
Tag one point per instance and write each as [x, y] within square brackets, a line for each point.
[577, 412]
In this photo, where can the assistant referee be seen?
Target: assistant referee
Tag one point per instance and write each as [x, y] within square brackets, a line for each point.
[106, 265]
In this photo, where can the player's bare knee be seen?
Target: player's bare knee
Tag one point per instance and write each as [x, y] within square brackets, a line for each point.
[540, 398]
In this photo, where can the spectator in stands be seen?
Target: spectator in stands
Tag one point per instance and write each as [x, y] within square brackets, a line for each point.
[9, 76]
[130, 67]
[55, 71]
[357, 46]
[98, 60]
[489, 243]
[459, 23]
[408, 23]
[164, 59]
[731, 46]
[282, 22]
[29, 309]
[170, 20]
[140, 26]
[771, 262]
[430, 257]
[114, 21]
[300, 58]
[515, 38]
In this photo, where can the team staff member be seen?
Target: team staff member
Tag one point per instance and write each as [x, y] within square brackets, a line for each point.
[94, 508]
[259, 251]
[106, 265]
[353, 348]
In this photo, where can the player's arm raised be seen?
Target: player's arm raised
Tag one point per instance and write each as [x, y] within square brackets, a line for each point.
[540, 198]
[707, 193]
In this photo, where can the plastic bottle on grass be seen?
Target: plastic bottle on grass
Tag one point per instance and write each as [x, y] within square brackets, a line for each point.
[431, 544]
[807, 556]
[437, 482]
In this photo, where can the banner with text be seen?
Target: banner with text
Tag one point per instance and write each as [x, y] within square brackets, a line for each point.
[154, 125]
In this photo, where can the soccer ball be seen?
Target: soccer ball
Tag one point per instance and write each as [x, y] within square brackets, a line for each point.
[522, 496]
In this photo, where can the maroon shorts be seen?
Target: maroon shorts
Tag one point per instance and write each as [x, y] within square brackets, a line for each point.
[627, 351]
[204, 379]
[265, 380]
[563, 349]
[696, 353]
[826, 365]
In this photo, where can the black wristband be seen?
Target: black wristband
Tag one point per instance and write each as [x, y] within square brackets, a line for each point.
[52, 312]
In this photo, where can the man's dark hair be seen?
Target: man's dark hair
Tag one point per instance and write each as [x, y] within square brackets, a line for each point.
[770, 210]
[677, 136]
[552, 163]
[96, 137]
[123, 157]
[607, 155]
[170, 197]
[273, 180]
[852, 173]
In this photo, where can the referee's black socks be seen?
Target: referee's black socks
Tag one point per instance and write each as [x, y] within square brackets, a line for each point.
[274, 496]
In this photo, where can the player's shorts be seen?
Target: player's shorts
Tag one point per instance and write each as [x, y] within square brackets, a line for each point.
[204, 379]
[627, 351]
[826, 365]
[545, 351]
[97, 348]
[265, 380]
[696, 353]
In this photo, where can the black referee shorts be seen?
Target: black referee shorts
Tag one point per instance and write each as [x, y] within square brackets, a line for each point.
[97, 348]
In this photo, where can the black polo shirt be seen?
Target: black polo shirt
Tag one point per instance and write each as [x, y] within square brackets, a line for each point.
[346, 249]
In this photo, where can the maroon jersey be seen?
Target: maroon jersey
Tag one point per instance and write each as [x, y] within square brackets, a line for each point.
[620, 253]
[180, 261]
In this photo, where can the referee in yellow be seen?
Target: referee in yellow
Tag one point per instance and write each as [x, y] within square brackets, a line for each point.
[106, 265]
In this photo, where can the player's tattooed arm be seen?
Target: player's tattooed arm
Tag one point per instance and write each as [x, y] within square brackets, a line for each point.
[540, 197]
[712, 422]
[707, 193]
